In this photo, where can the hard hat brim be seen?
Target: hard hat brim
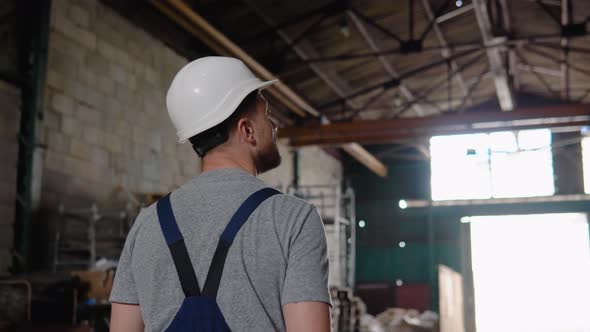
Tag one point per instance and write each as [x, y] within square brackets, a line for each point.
[226, 108]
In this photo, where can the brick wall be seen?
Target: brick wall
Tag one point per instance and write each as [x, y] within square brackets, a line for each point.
[9, 127]
[105, 118]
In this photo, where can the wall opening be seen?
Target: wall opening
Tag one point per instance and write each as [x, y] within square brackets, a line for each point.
[531, 272]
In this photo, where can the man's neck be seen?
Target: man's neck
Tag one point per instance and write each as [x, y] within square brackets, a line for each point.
[218, 160]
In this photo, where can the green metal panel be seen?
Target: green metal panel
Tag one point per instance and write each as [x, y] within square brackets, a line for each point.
[408, 264]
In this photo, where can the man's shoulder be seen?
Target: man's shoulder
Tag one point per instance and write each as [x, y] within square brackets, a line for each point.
[293, 201]
[145, 216]
[288, 207]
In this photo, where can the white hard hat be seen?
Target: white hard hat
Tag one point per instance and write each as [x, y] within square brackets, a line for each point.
[206, 92]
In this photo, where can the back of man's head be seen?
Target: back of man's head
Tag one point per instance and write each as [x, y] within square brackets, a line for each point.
[207, 98]
[220, 135]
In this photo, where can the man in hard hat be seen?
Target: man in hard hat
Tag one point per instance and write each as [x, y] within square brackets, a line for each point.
[224, 251]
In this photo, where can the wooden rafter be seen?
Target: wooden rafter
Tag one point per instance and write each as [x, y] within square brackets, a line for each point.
[446, 52]
[305, 50]
[566, 15]
[501, 81]
[370, 39]
[387, 131]
[181, 13]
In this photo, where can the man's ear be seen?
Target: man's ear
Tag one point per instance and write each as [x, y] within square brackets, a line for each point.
[246, 130]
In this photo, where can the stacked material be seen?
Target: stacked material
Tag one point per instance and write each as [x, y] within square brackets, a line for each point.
[400, 320]
[14, 304]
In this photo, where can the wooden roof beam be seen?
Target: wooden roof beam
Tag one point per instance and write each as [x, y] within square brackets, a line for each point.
[368, 36]
[540, 70]
[387, 131]
[446, 52]
[452, 14]
[184, 16]
[501, 81]
[566, 18]
[306, 51]
[513, 64]
[179, 12]
[548, 2]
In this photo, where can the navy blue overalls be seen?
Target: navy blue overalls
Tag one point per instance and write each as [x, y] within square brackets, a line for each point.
[199, 310]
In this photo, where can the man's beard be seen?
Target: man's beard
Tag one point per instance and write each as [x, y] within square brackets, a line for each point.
[268, 159]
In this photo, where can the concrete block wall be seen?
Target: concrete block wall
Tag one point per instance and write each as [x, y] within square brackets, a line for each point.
[105, 123]
[282, 176]
[315, 167]
[318, 167]
[105, 117]
[9, 128]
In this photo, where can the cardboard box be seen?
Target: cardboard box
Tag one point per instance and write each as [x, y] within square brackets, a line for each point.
[101, 283]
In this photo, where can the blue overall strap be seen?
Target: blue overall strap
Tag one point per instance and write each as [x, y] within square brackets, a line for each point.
[175, 242]
[229, 234]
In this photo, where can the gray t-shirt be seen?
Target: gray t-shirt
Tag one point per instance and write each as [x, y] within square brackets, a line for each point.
[278, 257]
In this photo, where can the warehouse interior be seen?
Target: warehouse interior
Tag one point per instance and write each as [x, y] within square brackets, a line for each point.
[445, 143]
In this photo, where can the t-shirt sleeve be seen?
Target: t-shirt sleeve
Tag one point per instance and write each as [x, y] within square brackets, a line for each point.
[124, 288]
[306, 277]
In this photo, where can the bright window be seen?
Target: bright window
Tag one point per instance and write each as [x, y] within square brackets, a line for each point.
[460, 168]
[501, 164]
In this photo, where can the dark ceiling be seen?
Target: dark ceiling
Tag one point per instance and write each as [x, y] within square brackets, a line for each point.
[327, 50]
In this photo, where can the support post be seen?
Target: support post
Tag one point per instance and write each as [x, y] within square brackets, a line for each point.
[503, 87]
[566, 14]
[446, 52]
[295, 183]
[34, 31]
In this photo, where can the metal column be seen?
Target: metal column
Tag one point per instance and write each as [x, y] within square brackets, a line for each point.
[34, 30]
